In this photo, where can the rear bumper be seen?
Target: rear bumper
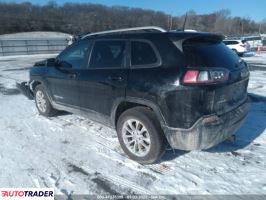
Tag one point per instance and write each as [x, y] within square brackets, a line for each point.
[24, 88]
[208, 131]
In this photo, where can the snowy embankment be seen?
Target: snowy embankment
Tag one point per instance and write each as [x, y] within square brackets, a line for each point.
[78, 156]
[34, 35]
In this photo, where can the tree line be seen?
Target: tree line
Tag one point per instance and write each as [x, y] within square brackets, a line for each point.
[77, 18]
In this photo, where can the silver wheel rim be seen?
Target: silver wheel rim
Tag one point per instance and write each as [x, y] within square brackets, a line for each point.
[136, 137]
[40, 100]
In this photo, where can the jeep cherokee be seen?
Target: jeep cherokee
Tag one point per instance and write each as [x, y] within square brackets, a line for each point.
[185, 89]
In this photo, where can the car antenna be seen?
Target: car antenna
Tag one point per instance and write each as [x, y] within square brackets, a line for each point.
[184, 24]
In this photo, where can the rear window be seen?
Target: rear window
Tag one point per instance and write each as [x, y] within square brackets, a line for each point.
[209, 54]
[226, 42]
[230, 42]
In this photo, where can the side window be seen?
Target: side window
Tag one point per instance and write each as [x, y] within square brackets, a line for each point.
[107, 54]
[142, 53]
[76, 54]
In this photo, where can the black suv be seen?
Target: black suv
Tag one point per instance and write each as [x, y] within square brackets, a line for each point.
[185, 89]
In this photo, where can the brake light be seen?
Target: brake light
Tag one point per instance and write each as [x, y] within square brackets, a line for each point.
[243, 45]
[191, 76]
[205, 76]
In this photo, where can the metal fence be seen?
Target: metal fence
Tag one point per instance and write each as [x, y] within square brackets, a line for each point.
[31, 46]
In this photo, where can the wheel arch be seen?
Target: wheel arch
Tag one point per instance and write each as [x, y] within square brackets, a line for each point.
[124, 104]
[34, 84]
[38, 80]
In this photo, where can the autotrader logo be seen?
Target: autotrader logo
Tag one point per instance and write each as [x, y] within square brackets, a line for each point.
[27, 193]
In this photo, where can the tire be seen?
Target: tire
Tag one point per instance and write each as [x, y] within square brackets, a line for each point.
[42, 102]
[146, 147]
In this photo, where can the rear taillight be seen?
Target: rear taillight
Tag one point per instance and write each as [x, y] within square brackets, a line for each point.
[243, 45]
[205, 76]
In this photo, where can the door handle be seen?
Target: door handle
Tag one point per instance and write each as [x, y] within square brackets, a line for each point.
[73, 76]
[115, 78]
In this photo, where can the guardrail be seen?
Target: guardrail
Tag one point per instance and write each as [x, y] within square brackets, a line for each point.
[31, 46]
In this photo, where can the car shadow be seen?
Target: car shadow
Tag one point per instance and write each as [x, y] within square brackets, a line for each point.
[171, 154]
[61, 113]
[252, 128]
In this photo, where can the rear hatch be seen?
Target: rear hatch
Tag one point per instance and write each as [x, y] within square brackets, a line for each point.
[208, 54]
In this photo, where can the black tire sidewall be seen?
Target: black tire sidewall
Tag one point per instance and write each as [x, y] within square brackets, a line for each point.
[149, 120]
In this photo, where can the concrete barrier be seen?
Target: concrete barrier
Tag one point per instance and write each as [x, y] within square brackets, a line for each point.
[31, 46]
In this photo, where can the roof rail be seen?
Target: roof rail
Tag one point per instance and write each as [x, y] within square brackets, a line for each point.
[156, 28]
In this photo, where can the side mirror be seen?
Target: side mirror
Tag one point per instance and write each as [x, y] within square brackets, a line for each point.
[64, 65]
[50, 62]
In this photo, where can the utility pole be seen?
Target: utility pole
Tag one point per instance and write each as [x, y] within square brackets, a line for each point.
[171, 22]
[242, 27]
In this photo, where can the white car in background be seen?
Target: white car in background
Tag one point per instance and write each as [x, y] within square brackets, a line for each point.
[238, 46]
[253, 41]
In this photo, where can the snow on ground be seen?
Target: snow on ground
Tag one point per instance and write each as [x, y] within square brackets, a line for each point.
[78, 156]
[257, 66]
[255, 59]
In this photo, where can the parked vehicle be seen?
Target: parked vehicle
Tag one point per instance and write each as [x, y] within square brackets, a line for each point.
[253, 41]
[238, 46]
[185, 89]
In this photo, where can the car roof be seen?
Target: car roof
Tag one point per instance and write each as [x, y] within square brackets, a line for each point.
[175, 35]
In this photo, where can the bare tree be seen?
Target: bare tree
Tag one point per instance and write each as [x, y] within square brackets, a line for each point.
[76, 18]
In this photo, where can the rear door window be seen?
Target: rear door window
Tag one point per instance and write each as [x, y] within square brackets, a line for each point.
[108, 54]
[142, 53]
[230, 42]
